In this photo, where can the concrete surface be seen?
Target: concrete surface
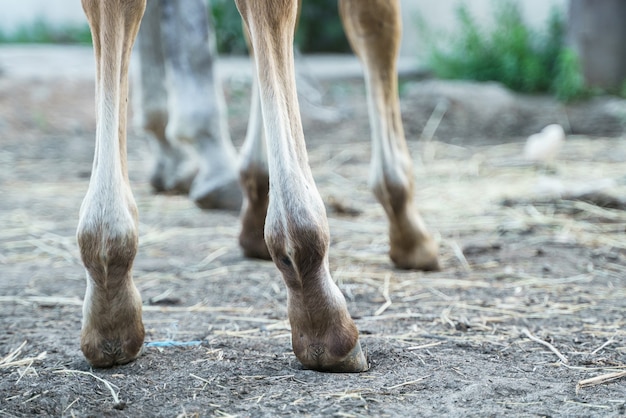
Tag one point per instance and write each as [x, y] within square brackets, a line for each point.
[49, 62]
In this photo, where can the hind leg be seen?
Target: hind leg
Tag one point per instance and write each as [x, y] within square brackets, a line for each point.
[176, 163]
[196, 107]
[373, 29]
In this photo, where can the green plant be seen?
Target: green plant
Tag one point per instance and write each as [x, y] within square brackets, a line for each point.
[569, 83]
[40, 31]
[228, 27]
[511, 53]
[319, 27]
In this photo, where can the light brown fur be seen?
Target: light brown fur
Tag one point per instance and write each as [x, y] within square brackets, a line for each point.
[107, 233]
[296, 233]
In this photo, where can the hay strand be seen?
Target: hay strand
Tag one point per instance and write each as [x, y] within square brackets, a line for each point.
[599, 380]
[606, 344]
[10, 359]
[106, 383]
[546, 344]
[411, 382]
[387, 303]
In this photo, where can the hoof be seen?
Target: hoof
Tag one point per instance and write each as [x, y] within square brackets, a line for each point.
[178, 186]
[173, 173]
[251, 237]
[413, 263]
[253, 246]
[423, 256]
[334, 348]
[112, 331]
[355, 361]
[103, 352]
[214, 195]
[255, 183]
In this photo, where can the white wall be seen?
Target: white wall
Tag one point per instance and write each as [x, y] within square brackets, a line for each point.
[17, 12]
[440, 15]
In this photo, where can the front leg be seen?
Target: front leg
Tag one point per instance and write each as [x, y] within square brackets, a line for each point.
[324, 336]
[112, 331]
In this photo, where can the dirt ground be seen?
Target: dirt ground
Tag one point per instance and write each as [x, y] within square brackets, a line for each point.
[530, 303]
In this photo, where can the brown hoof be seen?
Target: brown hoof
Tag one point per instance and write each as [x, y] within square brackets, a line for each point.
[173, 174]
[423, 256]
[102, 353]
[254, 247]
[177, 186]
[251, 237]
[211, 196]
[112, 331]
[255, 183]
[355, 361]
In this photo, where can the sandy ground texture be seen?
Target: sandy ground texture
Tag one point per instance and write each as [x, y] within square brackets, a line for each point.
[527, 317]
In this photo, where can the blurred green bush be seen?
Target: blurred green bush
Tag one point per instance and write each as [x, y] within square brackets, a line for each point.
[319, 29]
[40, 31]
[511, 53]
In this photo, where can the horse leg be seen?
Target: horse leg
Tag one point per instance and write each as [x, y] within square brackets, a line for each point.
[197, 110]
[176, 163]
[112, 331]
[324, 336]
[373, 29]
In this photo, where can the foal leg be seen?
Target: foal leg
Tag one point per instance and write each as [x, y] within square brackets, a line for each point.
[373, 29]
[324, 337]
[197, 110]
[176, 162]
[112, 331]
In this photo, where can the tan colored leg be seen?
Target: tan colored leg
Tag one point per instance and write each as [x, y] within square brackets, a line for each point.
[373, 29]
[254, 179]
[112, 331]
[324, 337]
